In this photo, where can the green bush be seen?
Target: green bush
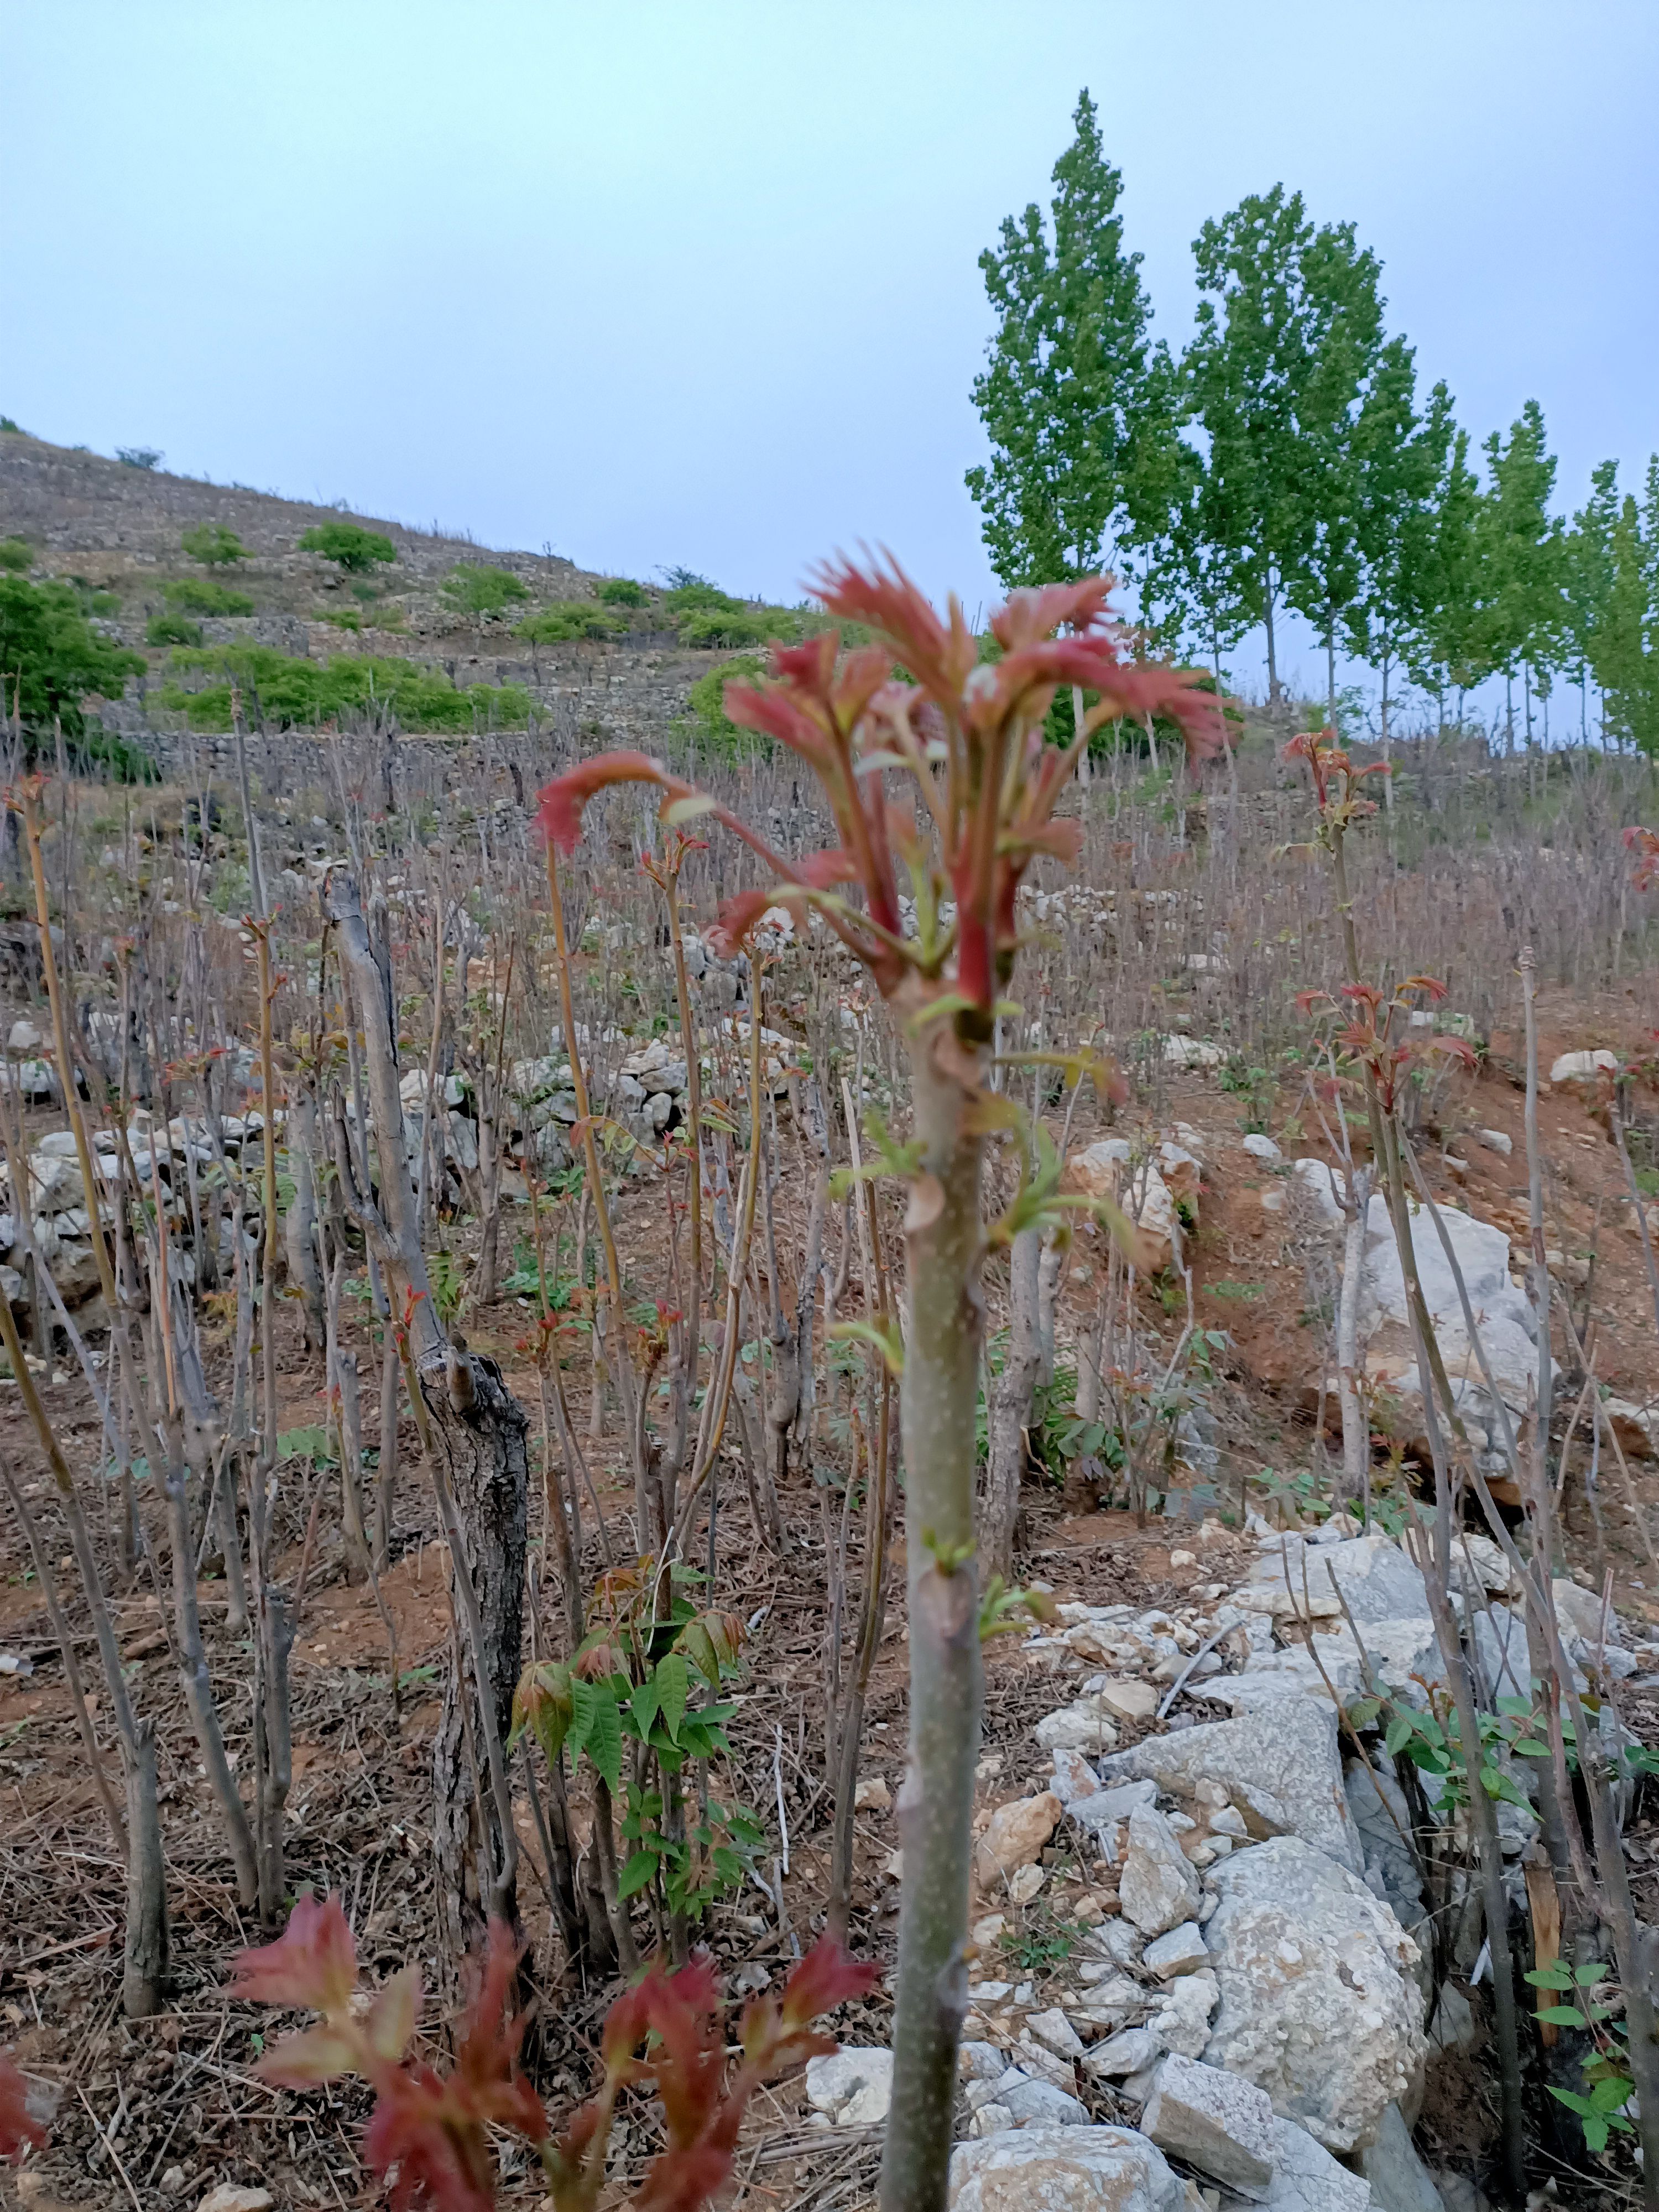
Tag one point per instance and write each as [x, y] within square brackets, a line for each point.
[706, 726]
[190, 596]
[342, 617]
[485, 593]
[741, 626]
[16, 556]
[214, 544]
[623, 592]
[283, 690]
[139, 456]
[348, 546]
[569, 618]
[6, 423]
[172, 630]
[53, 658]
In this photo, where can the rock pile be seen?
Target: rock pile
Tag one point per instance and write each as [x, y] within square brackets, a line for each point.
[1244, 1976]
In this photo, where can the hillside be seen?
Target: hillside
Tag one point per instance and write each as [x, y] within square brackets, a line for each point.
[115, 530]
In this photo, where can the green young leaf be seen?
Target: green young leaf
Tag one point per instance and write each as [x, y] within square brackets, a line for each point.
[1398, 1733]
[605, 1741]
[639, 1870]
[642, 1708]
[1594, 1970]
[673, 1687]
[1560, 2016]
[1363, 1712]
[883, 1335]
[584, 1705]
[1556, 1977]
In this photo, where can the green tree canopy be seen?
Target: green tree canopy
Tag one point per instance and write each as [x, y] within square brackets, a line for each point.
[214, 544]
[485, 593]
[1523, 618]
[1075, 404]
[348, 546]
[51, 659]
[1286, 333]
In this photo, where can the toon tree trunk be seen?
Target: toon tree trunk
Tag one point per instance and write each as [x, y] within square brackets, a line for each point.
[940, 1387]
[485, 1454]
[1011, 1405]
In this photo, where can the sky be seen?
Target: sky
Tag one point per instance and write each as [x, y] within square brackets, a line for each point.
[695, 282]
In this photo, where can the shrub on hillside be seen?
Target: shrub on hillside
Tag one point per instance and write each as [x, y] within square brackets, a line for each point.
[172, 630]
[287, 690]
[191, 596]
[622, 592]
[139, 456]
[569, 618]
[214, 544]
[485, 593]
[54, 658]
[348, 546]
[15, 556]
[705, 728]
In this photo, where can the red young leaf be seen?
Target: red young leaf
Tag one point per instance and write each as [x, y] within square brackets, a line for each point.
[17, 2127]
[313, 1965]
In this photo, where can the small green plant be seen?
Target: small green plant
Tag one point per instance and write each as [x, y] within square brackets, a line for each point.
[1038, 1946]
[566, 620]
[348, 546]
[6, 423]
[196, 596]
[707, 725]
[485, 595]
[1607, 2070]
[1241, 1290]
[16, 556]
[622, 592]
[214, 544]
[139, 456]
[341, 617]
[172, 630]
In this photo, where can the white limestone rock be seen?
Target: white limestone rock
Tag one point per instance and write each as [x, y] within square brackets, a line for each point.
[1216, 2121]
[1319, 2006]
[1282, 1768]
[1158, 1889]
[1085, 2169]
[854, 2085]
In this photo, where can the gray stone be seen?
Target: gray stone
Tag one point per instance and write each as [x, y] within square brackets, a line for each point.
[1085, 2169]
[1031, 2058]
[990, 2119]
[1319, 2002]
[1216, 2121]
[1130, 2051]
[1281, 1767]
[1383, 1819]
[1181, 1952]
[980, 2062]
[1052, 2028]
[1158, 1887]
[1452, 2022]
[1038, 2104]
[1183, 2018]
[1307, 2178]
[1398, 2179]
[854, 2085]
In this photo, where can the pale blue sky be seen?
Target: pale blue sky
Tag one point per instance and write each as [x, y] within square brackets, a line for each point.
[668, 282]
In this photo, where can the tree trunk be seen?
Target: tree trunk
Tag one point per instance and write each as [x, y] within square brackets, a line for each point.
[1011, 1405]
[941, 1374]
[147, 1965]
[1356, 1431]
[483, 1449]
[299, 1223]
[1273, 657]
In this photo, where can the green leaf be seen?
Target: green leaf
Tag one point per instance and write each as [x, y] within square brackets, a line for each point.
[1609, 2095]
[673, 1687]
[643, 1707]
[605, 1738]
[1561, 2016]
[1363, 1712]
[584, 1705]
[639, 1870]
[1400, 1730]
[1549, 1977]
[883, 1335]
[1589, 1975]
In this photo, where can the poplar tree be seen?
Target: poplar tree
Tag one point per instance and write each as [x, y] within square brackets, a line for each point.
[1625, 641]
[1284, 339]
[1400, 460]
[1523, 611]
[1074, 401]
